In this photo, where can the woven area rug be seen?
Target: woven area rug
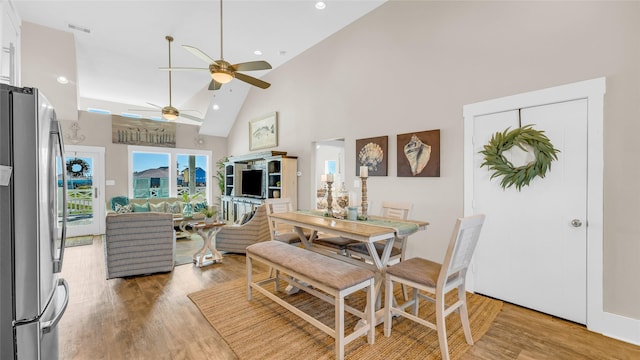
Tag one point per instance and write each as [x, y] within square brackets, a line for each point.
[78, 241]
[185, 248]
[262, 329]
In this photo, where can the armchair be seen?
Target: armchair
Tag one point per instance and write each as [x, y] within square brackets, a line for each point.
[139, 243]
[236, 238]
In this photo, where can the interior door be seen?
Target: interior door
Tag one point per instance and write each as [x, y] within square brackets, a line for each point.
[533, 248]
[84, 167]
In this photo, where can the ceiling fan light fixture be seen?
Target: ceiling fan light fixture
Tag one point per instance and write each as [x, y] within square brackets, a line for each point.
[170, 113]
[222, 76]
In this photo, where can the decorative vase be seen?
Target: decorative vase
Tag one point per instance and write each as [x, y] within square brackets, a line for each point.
[208, 220]
[187, 210]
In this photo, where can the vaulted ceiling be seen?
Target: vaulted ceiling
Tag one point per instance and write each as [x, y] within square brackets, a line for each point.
[120, 46]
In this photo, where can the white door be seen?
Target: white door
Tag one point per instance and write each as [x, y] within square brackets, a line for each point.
[533, 247]
[85, 189]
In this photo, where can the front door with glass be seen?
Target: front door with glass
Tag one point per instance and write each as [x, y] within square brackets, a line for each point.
[84, 167]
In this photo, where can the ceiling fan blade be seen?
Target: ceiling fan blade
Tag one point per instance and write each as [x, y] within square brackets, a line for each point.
[200, 54]
[213, 85]
[190, 117]
[155, 106]
[251, 80]
[252, 65]
[181, 68]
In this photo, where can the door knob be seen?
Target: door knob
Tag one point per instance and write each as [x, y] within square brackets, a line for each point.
[576, 223]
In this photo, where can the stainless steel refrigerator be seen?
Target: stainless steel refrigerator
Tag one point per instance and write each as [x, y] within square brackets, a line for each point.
[32, 226]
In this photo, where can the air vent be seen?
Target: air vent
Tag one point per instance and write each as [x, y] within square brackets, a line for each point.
[79, 28]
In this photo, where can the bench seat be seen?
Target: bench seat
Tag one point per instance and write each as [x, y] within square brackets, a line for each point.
[311, 272]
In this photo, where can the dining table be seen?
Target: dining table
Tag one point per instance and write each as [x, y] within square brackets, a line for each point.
[373, 229]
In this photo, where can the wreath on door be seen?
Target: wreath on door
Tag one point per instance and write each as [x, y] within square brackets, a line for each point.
[519, 176]
[77, 167]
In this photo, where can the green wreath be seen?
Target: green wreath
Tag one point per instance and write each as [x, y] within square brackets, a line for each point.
[77, 167]
[544, 153]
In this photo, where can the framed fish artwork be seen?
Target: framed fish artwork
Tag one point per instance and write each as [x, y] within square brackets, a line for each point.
[263, 132]
[419, 154]
[372, 153]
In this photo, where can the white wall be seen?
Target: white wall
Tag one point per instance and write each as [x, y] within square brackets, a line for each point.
[411, 66]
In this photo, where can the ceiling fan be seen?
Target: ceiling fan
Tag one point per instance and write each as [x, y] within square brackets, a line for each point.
[170, 112]
[222, 71]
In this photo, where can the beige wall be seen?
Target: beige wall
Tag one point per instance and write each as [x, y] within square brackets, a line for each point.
[412, 65]
[46, 54]
[96, 129]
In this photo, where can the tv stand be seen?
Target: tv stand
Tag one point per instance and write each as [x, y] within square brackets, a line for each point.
[280, 180]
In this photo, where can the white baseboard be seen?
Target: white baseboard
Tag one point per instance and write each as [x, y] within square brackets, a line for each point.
[620, 328]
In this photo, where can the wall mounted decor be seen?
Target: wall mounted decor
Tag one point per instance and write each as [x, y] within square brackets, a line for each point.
[263, 132]
[372, 153]
[419, 154]
[529, 140]
[142, 132]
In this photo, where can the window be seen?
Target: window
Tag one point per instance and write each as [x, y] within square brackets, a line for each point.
[150, 175]
[192, 175]
[161, 172]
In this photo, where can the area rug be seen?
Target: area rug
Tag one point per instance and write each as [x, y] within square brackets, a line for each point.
[262, 329]
[185, 248]
[78, 241]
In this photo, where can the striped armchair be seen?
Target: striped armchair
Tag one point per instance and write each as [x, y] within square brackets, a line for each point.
[236, 238]
[139, 243]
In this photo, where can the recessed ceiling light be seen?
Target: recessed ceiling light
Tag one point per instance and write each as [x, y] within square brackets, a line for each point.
[257, 52]
[320, 5]
[216, 107]
[62, 80]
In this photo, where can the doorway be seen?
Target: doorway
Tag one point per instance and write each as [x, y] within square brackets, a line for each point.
[85, 190]
[533, 253]
[328, 159]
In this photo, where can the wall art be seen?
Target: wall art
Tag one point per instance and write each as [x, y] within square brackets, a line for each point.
[142, 132]
[373, 153]
[263, 132]
[419, 154]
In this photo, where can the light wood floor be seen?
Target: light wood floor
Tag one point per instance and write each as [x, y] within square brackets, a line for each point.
[150, 317]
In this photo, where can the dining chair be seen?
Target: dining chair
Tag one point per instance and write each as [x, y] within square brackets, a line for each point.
[436, 279]
[281, 232]
[391, 210]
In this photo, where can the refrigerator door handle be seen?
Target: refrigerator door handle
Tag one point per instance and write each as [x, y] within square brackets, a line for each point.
[47, 326]
[57, 263]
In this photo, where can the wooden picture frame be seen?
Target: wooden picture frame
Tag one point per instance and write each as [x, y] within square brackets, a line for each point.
[263, 132]
[419, 154]
[373, 152]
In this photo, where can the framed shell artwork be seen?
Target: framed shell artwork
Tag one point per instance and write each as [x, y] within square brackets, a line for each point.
[373, 153]
[419, 154]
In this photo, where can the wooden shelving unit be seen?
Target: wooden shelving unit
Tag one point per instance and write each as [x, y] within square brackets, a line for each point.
[280, 180]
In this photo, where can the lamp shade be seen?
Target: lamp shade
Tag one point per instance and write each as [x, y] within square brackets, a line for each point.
[222, 76]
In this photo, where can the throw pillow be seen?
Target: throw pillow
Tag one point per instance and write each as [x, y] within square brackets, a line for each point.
[123, 209]
[159, 207]
[119, 200]
[199, 206]
[174, 208]
[247, 217]
[141, 207]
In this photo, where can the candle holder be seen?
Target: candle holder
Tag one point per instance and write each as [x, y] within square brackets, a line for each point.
[329, 198]
[365, 205]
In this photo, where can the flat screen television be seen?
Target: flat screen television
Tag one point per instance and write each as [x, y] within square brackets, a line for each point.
[252, 183]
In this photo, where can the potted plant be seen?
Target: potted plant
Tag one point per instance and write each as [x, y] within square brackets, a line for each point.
[209, 213]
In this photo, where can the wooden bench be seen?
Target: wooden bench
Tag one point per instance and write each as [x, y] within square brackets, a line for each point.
[311, 272]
